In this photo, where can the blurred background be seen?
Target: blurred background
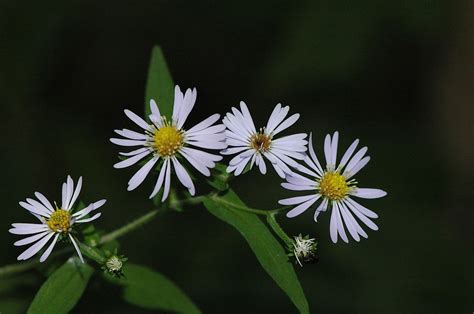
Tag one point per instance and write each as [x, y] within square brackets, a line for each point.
[396, 74]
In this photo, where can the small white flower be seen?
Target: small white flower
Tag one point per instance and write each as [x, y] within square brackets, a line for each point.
[251, 145]
[55, 221]
[304, 248]
[335, 186]
[170, 142]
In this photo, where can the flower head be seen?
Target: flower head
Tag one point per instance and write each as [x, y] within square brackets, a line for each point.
[304, 249]
[167, 143]
[55, 222]
[335, 186]
[114, 265]
[252, 146]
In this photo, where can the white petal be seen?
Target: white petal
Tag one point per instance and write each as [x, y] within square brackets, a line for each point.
[99, 203]
[312, 154]
[76, 192]
[83, 212]
[302, 207]
[34, 210]
[287, 123]
[196, 164]
[141, 174]
[348, 154]
[261, 164]
[293, 187]
[333, 226]
[76, 247]
[37, 205]
[63, 195]
[365, 211]
[34, 228]
[122, 142]
[166, 189]
[32, 250]
[132, 160]
[131, 134]
[296, 200]
[368, 193]
[335, 139]
[354, 223]
[31, 239]
[138, 121]
[183, 176]
[233, 150]
[45, 201]
[321, 208]
[136, 152]
[154, 108]
[205, 123]
[357, 157]
[161, 177]
[48, 251]
[362, 217]
[349, 223]
[89, 219]
[328, 153]
[178, 103]
[340, 225]
[361, 164]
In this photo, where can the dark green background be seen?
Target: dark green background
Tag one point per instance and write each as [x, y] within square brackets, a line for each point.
[396, 74]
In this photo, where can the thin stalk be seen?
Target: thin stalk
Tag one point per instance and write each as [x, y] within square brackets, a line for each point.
[279, 230]
[246, 209]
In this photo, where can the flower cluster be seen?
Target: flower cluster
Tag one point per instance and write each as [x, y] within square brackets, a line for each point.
[166, 145]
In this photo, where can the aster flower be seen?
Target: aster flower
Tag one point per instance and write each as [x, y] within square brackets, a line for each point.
[252, 146]
[335, 187]
[304, 249]
[167, 143]
[55, 222]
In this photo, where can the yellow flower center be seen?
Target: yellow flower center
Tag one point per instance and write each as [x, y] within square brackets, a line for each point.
[60, 221]
[260, 141]
[333, 186]
[168, 140]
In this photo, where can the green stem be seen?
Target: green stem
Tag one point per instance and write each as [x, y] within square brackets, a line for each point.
[279, 230]
[246, 209]
[129, 227]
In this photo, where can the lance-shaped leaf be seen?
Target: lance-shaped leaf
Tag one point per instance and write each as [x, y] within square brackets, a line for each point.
[159, 86]
[63, 289]
[267, 249]
[151, 290]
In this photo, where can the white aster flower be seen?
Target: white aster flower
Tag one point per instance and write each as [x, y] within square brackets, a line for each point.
[168, 142]
[334, 186]
[54, 221]
[252, 146]
[304, 248]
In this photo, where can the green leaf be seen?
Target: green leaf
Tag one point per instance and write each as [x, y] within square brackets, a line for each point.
[63, 289]
[151, 290]
[268, 250]
[159, 86]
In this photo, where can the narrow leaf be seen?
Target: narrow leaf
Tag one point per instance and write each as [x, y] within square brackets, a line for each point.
[63, 289]
[267, 249]
[159, 86]
[151, 290]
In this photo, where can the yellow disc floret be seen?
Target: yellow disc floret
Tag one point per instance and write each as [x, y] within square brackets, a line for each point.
[333, 186]
[167, 140]
[260, 141]
[60, 221]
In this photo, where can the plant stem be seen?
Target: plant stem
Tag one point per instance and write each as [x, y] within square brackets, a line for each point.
[129, 227]
[279, 230]
[244, 208]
